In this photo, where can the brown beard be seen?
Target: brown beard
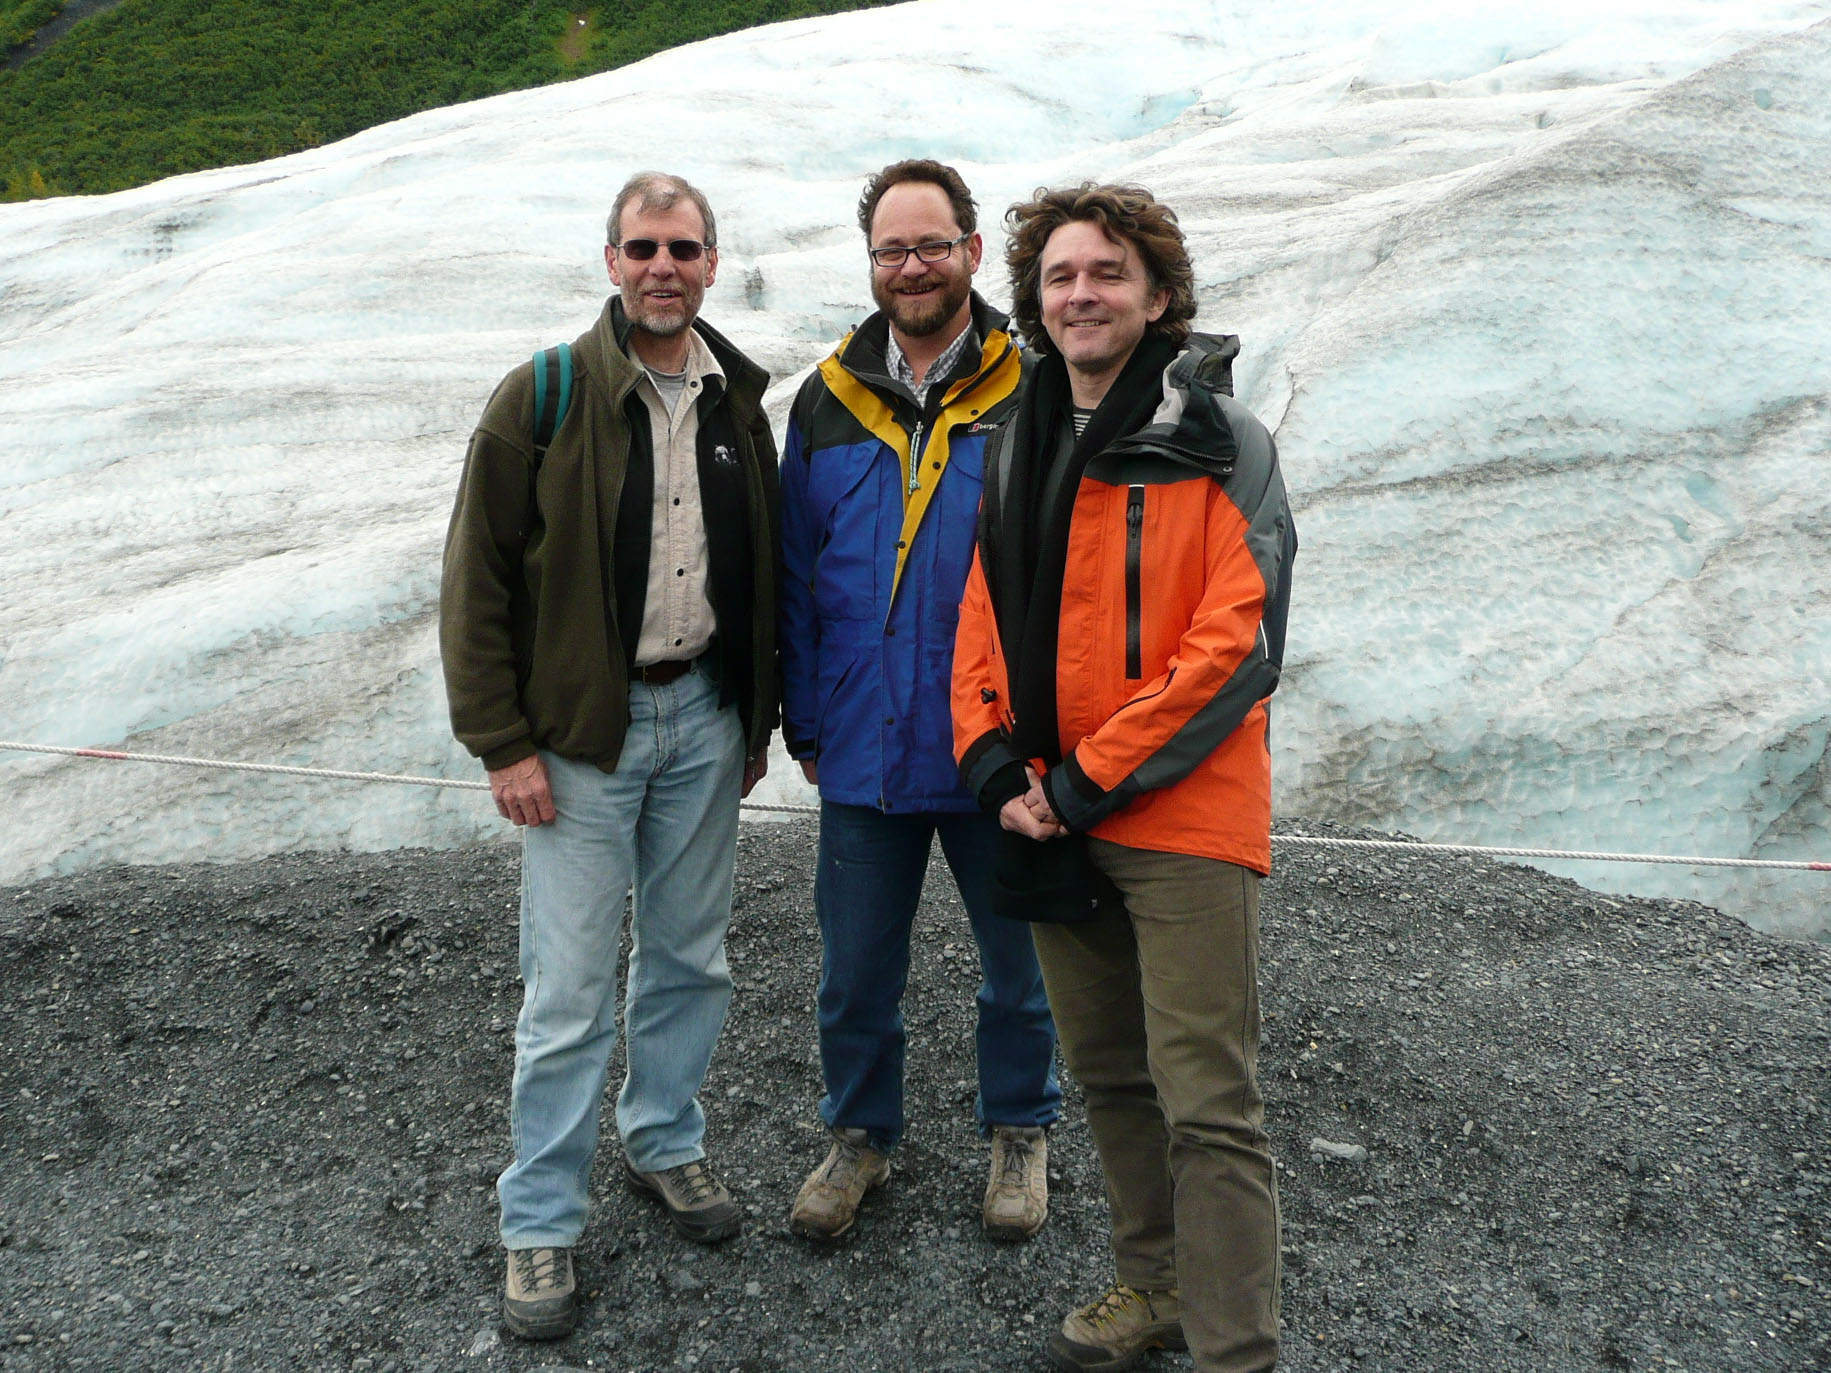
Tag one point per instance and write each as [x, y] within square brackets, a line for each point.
[921, 320]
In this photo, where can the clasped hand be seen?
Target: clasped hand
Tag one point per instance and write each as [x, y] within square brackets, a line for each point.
[1030, 814]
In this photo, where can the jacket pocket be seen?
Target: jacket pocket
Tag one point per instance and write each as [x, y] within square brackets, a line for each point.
[966, 454]
[833, 689]
[845, 486]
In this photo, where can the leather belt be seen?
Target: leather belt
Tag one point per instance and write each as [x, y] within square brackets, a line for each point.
[660, 674]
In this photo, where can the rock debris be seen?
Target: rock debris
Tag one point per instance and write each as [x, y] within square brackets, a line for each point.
[253, 1115]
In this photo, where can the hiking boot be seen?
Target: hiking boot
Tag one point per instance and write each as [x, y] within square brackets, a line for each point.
[540, 1301]
[828, 1201]
[1113, 1331]
[1017, 1197]
[696, 1201]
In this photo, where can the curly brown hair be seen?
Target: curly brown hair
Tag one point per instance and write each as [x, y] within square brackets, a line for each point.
[1127, 214]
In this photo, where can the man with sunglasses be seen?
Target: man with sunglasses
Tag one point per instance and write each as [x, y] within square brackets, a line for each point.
[607, 624]
[880, 485]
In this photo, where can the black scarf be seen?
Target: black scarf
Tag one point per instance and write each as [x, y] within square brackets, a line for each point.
[1028, 546]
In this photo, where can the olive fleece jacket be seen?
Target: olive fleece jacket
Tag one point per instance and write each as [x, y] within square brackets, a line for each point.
[546, 561]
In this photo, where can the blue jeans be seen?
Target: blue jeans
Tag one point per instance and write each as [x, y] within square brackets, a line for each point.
[866, 889]
[665, 822]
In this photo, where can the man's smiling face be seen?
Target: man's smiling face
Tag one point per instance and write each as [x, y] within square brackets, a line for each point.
[662, 296]
[921, 298]
[1097, 299]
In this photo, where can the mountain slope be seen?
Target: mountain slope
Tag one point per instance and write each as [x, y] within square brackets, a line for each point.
[153, 88]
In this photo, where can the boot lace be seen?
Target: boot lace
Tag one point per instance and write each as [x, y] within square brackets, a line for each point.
[539, 1268]
[694, 1181]
[1110, 1307]
[843, 1164]
[1014, 1167]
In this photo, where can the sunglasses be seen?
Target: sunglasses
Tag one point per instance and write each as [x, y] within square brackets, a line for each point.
[680, 249]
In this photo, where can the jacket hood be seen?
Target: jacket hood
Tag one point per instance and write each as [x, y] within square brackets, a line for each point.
[1190, 424]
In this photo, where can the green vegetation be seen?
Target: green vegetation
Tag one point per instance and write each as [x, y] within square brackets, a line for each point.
[20, 19]
[153, 88]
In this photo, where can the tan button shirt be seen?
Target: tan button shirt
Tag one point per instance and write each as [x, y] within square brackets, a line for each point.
[677, 620]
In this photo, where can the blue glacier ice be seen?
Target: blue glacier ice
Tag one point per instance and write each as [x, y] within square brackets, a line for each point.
[1536, 303]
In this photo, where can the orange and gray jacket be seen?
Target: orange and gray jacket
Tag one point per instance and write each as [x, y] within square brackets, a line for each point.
[879, 508]
[1163, 573]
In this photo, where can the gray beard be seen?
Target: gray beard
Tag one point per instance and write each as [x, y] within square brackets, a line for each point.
[666, 327]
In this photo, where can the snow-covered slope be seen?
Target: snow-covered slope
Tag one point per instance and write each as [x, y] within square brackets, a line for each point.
[1536, 304]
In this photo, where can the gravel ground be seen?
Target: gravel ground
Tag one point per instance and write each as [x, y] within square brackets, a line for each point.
[253, 1114]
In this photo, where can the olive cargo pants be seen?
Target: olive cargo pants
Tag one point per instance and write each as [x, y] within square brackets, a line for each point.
[1157, 1009]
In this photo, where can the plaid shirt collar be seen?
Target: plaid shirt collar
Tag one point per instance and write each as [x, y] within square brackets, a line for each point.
[941, 367]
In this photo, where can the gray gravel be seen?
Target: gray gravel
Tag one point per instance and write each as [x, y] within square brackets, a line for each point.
[253, 1113]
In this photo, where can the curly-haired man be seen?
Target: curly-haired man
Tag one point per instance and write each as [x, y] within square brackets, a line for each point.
[1122, 628]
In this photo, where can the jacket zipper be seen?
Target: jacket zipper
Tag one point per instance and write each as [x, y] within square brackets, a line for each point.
[978, 379]
[1134, 591]
[915, 436]
[915, 469]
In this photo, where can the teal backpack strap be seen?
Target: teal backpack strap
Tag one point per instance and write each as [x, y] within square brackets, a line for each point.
[552, 394]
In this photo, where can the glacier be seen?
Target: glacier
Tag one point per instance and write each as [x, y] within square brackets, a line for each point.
[1537, 304]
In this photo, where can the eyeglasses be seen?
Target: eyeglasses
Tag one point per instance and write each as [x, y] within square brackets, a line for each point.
[680, 249]
[927, 252]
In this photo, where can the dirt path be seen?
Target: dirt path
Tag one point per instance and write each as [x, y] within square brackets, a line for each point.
[66, 19]
[576, 41]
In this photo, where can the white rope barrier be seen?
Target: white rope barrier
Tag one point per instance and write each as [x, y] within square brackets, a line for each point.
[1573, 855]
[115, 755]
[1319, 841]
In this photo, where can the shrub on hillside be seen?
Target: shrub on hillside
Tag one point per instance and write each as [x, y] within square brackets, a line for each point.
[153, 88]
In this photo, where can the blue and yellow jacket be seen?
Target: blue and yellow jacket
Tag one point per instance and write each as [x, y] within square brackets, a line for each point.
[879, 510]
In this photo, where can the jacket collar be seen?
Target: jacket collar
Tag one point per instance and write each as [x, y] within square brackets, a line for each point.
[1189, 424]
[862, 352]
[604, 353]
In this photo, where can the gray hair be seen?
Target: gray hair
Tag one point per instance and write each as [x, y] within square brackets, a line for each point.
[658, 191]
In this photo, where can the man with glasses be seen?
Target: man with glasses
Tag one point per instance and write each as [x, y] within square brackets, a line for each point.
[607, 624]
[880, 485]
